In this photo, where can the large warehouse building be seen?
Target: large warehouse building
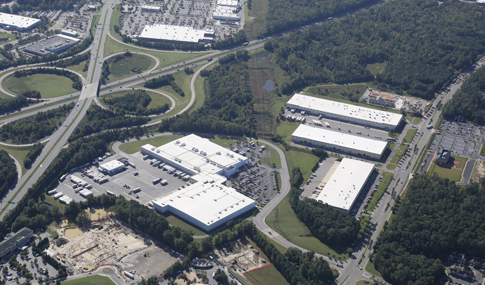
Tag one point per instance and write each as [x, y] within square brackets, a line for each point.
[337, 141]
[346, 182]
[345, 112]
[20, 23]
[224, 13]
[206, 203]
[56, 44]
[176, 34]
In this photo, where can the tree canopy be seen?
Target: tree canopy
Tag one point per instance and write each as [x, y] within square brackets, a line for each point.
[134, 103]
[8, 172]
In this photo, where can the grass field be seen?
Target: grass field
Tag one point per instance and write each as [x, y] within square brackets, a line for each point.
[122, 68]
[78, 68]
[370, 268]
[381, 189]
[417, 120]
[10, 36]
[267, 275]
[19, 153]
[157, 99]
[408, 138]
[255, 17]
[340, 93]
[284, 221]
[377, 68]
[176, 222]
[285, 129]
[93, 279]
[48, 85]
[305, 161]
[399, 153]
[114, 20]
[222, 141]
[134, 146]
[166, 58]
[274, 158]
[454, 174]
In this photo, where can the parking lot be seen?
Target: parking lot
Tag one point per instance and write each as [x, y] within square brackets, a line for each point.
[456, 137]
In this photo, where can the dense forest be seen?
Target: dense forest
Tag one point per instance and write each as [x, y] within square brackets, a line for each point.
[164, 80]
[76, 81]
[32, 154]
[228, 107]
[98, 119]
[469, 100]
[134, 103]
[286, 14]
[8, 172]
[45, 4]
[434, 218]
[33, 129]
[14, 103]
[31, 94]
[422, 42]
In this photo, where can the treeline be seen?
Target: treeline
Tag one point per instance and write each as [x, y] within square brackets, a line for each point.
[134, 103]
[421, 42]
[28, 39]
[236, 39]
[329, 225]
[98, 119]
[76, 81]
[77, 59]
[28, 5]
[32, 154]
[8, 172]
[164, 80]
[228, 108]
[434, 218]
[14, 103]
[33, 129]
[164, 45]
[468, 101]
[31, 94]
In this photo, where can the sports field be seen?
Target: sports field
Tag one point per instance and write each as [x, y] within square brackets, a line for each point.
[49, 85]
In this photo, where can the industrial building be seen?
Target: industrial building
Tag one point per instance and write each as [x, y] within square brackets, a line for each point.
[224, 13]
[150, 8]
[205, 205]
[176, 34]
[193, 154]
[70, 33]
[15, 240]
[345, 112]
[231, 3]
[20, 23]
[112, 167]
[56, 44]
[345, 183]
[337, 141]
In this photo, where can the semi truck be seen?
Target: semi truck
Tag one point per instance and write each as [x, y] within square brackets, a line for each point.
[155, 181]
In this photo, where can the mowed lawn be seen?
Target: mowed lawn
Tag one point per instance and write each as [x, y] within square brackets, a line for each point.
[284, 221]
[122, 68]
[454, 174]
[267, 275]
[49, 85]
[401, 150]
[176, 222]
[273, 158]
[88, 280]
[408, 138]
[134, 146]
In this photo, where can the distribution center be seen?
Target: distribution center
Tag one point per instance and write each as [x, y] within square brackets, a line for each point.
[176, 34]
[345, 112]
[337, 141]
[343, 187]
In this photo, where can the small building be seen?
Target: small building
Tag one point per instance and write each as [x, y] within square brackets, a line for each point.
[459, 271]
[91, 7]
[443, 157]
[112, 167]
[56, 44]
[70, 33]
[15, 240]
[225, 13]
[150, 8]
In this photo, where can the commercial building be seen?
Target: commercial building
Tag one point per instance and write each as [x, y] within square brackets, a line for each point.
[230, 3]
[112, 167]
[15, 240]
[150, 8]
[345, 112]
[225, 13]
[20, 23]
[337, 141]
[443, 157]
[205, 205]
[346, 182]
[70, 33]
[56, 44]
[176, 34]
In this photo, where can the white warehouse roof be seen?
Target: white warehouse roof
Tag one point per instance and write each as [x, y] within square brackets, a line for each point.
[174, 33]
[358, 143]
[151, 8]
[17, 21]
[112, 165]
[346, 183]
[197, 154]
[205, 205]
[352, 112]
[232, 3]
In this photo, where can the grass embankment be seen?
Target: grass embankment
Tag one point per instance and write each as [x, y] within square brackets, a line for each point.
[123, 68]
[134, 146]
[255, 17]
[408, 138]
[157, 99]
[381, 189]
[266, 275]
[176, 222]
[19, 153]
[49, 85]
[370, 268]
[365, 282]
[223, 142]
[397, 156]
[274, 157]
[116, 14]
[417, 120]
[78, 68]
[454, 173]
[93, 279]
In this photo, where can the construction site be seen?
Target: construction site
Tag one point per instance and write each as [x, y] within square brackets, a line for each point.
[241, 256]
[104, 243]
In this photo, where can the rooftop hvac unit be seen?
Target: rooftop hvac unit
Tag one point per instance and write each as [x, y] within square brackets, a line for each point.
[183, 144]
[158, 151]
[177, 142]
[152, 148]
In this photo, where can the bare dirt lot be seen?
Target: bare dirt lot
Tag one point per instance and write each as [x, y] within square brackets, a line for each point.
[479, 172]
[240, 255]
[111, 242]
